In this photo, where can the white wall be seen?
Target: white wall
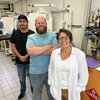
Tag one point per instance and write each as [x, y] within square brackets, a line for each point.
[18, 7]
[24, 6]
[79, 12]
[8, 27]
[1, 8]
[78, 8]
[21, 6]
[95, 4]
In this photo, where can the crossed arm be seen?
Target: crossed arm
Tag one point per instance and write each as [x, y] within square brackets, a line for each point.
[46, 50]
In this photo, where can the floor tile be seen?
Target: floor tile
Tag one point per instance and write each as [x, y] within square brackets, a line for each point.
[9, 82]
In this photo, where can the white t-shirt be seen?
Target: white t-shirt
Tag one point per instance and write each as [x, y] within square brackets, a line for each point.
[65, 73]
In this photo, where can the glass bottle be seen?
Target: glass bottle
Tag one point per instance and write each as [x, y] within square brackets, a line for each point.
[97, 20]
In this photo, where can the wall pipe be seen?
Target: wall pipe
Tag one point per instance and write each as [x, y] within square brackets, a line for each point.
[85, 22]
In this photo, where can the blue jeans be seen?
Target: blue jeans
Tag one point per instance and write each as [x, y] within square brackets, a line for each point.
[21, 69]
[37, 81]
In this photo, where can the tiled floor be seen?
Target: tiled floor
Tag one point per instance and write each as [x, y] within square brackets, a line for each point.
[9, 83]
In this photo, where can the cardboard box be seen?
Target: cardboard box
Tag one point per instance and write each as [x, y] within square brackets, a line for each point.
[93, 87]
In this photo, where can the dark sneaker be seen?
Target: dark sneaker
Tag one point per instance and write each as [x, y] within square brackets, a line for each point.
[21, 96]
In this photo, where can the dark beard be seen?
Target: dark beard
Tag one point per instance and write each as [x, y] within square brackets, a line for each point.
[42, 31]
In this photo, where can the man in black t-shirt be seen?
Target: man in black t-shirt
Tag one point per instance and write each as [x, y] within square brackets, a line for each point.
[18, 44]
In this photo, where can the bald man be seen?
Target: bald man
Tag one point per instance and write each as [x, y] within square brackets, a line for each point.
[39, 47]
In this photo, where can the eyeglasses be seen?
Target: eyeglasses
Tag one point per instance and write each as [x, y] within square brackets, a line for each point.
[43, 23]
[65, 37]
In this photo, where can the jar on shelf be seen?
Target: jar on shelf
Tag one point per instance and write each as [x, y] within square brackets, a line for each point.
[97, 19]
[94, 47]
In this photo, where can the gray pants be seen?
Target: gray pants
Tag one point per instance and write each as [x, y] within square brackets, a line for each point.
[37, 82]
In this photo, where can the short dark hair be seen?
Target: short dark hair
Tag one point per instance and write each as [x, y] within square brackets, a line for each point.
[22, 17]
[67, 32]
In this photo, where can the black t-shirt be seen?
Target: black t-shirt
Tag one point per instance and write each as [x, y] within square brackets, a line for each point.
[19, 39]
